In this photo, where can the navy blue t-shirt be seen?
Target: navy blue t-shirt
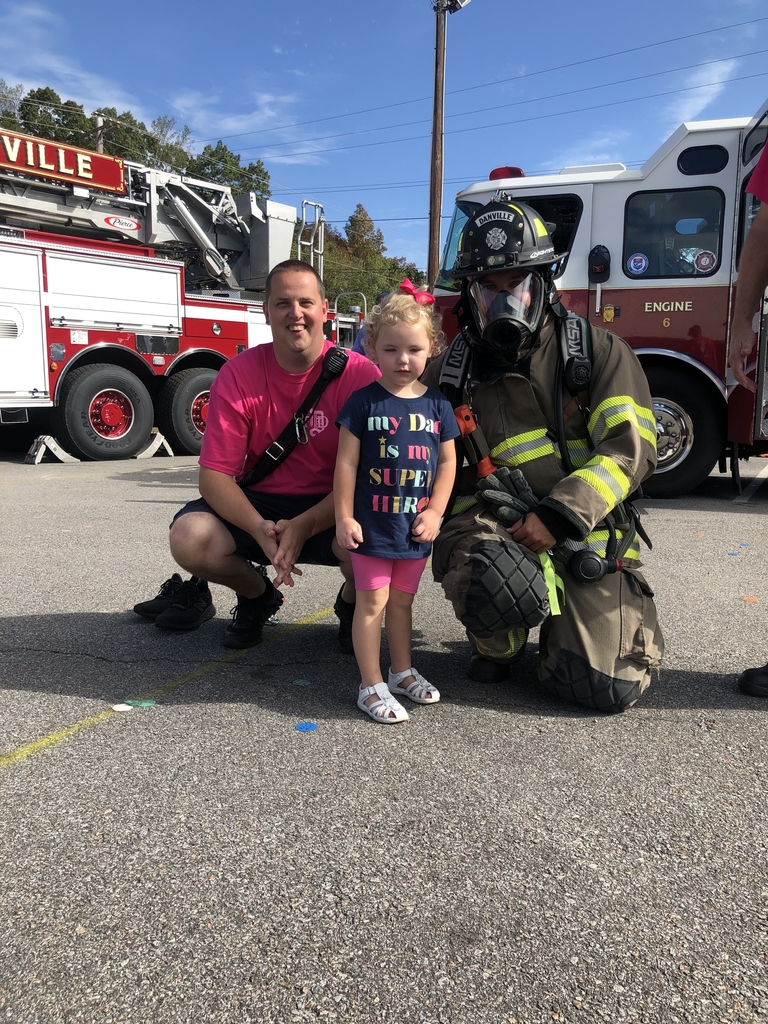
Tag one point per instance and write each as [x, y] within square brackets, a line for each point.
[399, 446]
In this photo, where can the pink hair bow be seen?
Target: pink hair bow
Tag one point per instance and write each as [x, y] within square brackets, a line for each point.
[423, 298]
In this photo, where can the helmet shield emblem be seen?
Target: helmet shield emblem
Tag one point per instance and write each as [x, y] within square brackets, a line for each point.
[496, 238]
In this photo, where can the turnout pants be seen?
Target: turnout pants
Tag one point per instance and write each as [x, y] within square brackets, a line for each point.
[598, 652]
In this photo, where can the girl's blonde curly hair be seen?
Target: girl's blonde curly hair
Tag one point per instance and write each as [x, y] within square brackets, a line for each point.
[402, 308]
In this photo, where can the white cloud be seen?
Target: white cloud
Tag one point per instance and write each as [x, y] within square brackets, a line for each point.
[202, 112]
[28, 39]
[705, 85]
[30, 45]
[602, 148]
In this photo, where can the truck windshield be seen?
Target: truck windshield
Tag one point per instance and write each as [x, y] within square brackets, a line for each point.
[461, 215]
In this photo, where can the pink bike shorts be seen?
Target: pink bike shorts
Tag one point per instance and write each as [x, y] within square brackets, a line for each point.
[374, 573]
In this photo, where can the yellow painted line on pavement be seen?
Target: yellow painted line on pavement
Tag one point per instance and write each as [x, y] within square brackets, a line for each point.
[54, 738]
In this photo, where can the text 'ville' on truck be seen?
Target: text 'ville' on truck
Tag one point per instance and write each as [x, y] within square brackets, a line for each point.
[104, 333]
[664, 279]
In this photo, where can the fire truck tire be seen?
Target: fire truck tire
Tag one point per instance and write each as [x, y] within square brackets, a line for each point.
[182, 408]
[690, 429]
[104, 412]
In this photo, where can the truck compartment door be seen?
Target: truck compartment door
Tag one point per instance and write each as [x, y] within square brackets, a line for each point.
[747, 417]
[128, 296]
[23, 375]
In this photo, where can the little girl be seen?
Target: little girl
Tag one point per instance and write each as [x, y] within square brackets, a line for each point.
[394, 473]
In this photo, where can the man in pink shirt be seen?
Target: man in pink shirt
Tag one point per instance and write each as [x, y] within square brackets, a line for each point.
[287, 518]
[753, 280]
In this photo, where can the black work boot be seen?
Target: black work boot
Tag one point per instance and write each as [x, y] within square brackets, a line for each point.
[192, 605]
[754, 682]
[249, 616]
[483, 670]
[346, 613]
[162, 600]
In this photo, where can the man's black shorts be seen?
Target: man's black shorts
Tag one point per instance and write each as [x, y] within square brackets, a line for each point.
[317, 550]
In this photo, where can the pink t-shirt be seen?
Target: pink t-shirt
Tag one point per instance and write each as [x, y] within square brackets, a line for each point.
[252, 400]
[758, 183]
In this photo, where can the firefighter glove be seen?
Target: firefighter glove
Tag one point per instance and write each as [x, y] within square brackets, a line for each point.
[507, 495]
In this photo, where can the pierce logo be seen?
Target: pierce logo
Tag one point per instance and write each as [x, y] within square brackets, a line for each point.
[124, 223]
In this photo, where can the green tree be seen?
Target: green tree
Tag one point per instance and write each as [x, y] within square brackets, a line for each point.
[163, 144]
[125, 136]
[169, 144]
[10, 98]
[355, 261]
[42, 112]
[218, 163]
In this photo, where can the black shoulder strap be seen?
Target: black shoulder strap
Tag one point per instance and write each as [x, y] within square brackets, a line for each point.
[334, 361]
[453, 372]
[575, 337]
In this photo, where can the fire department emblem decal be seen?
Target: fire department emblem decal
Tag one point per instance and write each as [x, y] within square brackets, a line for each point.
[496, 238]
[704, 261]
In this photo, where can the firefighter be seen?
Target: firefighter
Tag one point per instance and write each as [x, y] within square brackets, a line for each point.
[568, 442]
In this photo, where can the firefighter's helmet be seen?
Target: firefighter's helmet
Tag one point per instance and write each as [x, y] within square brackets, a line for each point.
[504, 235]
[506, 263]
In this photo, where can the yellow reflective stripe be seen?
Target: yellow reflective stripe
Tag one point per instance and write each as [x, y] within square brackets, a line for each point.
[622, 409]
[522, 448]
[515, 638]
[597, 541]
[607, 478]
[579, 451]
[463, 503]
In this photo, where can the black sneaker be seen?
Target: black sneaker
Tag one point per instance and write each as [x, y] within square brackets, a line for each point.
[346, 613]
[249, 616]
[754, 682]
[190, 608]
[163, 599]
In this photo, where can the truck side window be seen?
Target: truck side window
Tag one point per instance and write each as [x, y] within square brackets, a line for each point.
[755, 140]
[561, 214]
[673, 234]
[748, 208]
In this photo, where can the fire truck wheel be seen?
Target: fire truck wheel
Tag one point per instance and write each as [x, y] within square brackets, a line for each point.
[182, 408]
[690, 431]
[104, 412]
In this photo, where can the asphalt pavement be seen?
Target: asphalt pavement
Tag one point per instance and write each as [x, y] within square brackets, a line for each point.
[499, 859]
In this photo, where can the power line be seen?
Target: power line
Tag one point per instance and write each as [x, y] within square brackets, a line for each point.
[536, 117]
[517, 103]
[500, 81]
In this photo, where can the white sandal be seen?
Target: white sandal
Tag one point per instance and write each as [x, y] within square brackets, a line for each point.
[417, 690]
[379, 710]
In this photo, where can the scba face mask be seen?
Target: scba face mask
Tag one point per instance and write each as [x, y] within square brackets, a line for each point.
[507, 311]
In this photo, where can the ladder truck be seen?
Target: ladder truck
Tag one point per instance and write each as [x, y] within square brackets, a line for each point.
[124, 289]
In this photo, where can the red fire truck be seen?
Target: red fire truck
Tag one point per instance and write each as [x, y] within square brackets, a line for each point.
[654, 252]
[124, 289]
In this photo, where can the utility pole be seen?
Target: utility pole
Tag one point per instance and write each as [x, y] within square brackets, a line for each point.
[436, 165]
[99, 120]
[441, 8]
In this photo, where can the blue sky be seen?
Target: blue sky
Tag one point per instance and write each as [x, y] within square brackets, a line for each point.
[336, 95]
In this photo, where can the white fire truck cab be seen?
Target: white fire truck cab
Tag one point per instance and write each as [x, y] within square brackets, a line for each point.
[653, 254]
[124, 289]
